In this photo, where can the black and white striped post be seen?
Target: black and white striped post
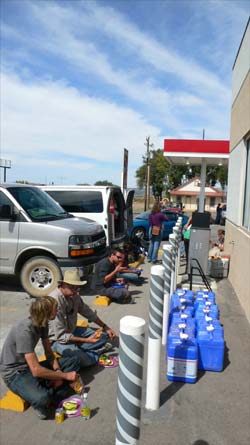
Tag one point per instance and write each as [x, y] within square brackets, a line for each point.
[177, 232]
[130, 374]
[167, 265]
[154, 337]
[172, 241]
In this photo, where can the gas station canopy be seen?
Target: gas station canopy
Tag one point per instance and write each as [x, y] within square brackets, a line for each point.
[193, 152]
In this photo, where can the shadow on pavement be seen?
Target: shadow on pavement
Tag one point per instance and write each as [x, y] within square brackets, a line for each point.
[88, 374]
[200, 442]
[10, 284]
[169, 391]
[226, 362]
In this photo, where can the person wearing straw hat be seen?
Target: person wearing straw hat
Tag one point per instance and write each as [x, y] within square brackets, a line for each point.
[67, 338]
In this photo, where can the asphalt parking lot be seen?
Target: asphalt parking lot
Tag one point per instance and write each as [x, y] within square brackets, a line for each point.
[213, 411]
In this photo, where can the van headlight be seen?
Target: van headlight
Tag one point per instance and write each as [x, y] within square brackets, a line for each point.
[80, 245]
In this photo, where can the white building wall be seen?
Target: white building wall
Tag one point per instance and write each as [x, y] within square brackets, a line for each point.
[236, 181]
[242, 65]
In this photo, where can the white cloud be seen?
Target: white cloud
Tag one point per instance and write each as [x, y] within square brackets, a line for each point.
[84, 54]
[48, 117]
[153, 52]
[164, 90]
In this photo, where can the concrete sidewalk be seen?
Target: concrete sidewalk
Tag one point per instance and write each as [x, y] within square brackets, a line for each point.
[213, 411]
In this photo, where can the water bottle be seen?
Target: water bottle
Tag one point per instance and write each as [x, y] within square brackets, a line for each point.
[85, 410]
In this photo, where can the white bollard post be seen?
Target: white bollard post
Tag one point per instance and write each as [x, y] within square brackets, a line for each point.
[154, 337]
[130, 373]
[174, 259]
[172, 243]
[166, 261]
[176, 233]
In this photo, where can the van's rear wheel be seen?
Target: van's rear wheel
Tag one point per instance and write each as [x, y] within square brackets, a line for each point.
[39, 276]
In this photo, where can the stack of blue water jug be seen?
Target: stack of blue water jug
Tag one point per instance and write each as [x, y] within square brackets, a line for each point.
[195, 335]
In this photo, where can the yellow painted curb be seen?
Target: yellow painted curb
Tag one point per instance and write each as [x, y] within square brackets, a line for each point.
[13, 402]
[102, 300]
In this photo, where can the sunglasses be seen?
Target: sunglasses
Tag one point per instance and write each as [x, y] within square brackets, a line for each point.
[118, 256]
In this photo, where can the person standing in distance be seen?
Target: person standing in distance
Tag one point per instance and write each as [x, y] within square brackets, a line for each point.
[156, 218]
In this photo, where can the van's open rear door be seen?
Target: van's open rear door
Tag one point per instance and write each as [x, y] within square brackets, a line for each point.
[129, 208]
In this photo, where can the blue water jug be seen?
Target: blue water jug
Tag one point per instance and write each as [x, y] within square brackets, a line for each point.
[211, 310]
[211, 347]
[182, 358]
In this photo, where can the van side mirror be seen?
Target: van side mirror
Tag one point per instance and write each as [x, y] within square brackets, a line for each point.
[7, 212]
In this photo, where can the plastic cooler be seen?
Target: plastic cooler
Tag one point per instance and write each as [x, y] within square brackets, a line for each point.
[182, 359]
[211, 347]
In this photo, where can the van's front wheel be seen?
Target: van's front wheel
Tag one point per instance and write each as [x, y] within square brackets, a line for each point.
[39, 276]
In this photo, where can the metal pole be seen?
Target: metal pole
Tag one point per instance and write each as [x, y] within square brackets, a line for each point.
[147, 187]
[167, 264]
[203, 185]
[148, 184]
[130, 374]
[155, 337]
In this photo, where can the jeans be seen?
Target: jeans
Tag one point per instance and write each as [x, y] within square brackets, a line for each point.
[154, 244]
[87, 353]
[37, 391]
[121, 295]
[129, 276]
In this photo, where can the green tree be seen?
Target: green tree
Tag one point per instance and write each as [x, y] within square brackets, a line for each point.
[105, 182]
[164, 177]
[158, 173]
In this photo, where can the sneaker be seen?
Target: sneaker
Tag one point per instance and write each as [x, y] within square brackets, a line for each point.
[42, 414]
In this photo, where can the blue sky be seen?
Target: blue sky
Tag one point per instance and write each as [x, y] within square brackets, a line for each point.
[82, 80]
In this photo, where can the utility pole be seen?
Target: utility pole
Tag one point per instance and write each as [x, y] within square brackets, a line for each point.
[5, 163]
[147, 186]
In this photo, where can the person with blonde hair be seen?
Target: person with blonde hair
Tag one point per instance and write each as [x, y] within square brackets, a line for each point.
[45, 383]
[156, 218]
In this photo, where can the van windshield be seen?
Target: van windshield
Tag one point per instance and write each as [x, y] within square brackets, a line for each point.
[80, 201]
[38, 205]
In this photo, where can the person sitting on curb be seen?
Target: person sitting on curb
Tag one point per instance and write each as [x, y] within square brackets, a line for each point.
[220, 240]
[129, 274]
[67, 338]
[45, 383]
[105, 277]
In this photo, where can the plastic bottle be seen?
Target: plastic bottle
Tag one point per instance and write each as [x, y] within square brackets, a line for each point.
[85, 410]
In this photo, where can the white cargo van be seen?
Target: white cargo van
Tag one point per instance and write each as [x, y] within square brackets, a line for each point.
[103, 204]
[38, 239]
